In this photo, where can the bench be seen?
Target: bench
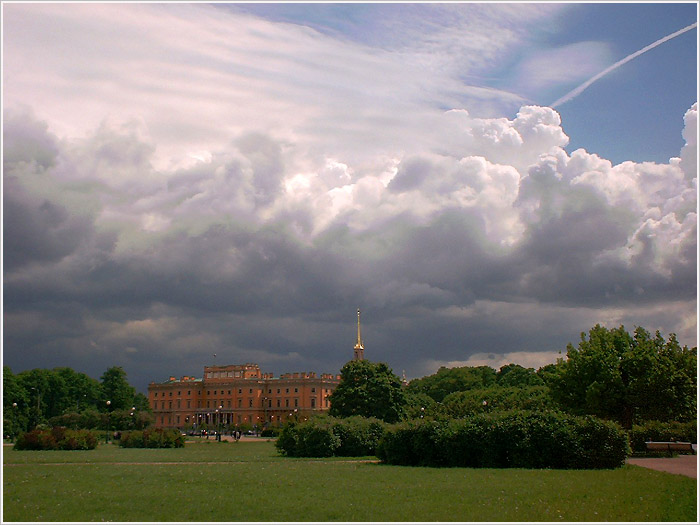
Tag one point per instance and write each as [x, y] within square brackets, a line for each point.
[670, 446]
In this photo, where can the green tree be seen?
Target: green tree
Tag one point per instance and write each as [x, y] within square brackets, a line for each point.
[15, 404]
[615, 375]
[116, 390]
[82, 393]
[516, 375]
[448, 380]
[368, 389]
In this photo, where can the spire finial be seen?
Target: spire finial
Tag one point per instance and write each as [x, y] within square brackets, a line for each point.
[359, 354]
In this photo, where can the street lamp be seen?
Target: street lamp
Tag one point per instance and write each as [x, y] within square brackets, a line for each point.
[218, 434]
[422, 412]
[107, 428]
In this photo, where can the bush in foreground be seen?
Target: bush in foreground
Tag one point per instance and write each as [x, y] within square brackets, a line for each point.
[326, 436]
[152, 438]
[507, 440]
[661, 431]
[57, 438]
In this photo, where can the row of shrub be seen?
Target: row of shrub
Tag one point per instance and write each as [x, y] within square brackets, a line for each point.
[326, 436]
[56, 438]
[662, 431]
[519, 439]
[152, 438]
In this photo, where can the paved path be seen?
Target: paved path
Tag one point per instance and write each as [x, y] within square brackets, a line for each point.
[686, 465]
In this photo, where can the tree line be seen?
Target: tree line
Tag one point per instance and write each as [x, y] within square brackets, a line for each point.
[61, 395]
[612, 374]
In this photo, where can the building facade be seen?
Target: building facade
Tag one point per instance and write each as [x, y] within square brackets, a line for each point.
[234, 396]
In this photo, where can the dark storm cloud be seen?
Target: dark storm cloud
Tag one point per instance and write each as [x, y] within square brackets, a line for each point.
[453, 256]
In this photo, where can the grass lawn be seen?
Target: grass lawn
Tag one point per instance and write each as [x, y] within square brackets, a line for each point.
[248, 481]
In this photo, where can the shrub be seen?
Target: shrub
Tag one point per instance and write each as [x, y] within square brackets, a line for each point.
[287, 441]
[316, 441]
[325, 436]
[517, 439]
[270, 432]
[660, 431]
[57, 438]
[152, 438]
[359, 436]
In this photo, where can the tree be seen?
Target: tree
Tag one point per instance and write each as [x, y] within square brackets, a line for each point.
[448, 380]
[82, 392]
[370, 390]
[516, 375]
[630, 379]
[116, 390]
[15, 404]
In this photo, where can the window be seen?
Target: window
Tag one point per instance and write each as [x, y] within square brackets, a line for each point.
[287, 390]
[278, 390]
[296, 402]
[250, 390]
[188, 403]
[170, 405]
[178, 403]
[208, 392]
[313, 389]
[229, 392]
[162, 405]
[179, 393]
[286, 403]
[170, 394]
[296, 390]
[240, 390]
[269, 403]
[240, 401]
[269, 391]
[278, 403]
[207, 404]
[178, 420]
[189, 392]
[313, 402]
[229, 403]
[250, 403]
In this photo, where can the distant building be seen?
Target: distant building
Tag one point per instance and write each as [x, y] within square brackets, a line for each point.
[235, 395]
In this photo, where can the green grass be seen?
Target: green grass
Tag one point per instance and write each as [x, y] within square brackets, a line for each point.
[249, 481]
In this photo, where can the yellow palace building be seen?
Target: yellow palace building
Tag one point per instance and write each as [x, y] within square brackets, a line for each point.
[235, 395]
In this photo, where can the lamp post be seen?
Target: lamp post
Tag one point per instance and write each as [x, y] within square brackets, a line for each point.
[107, 426]
[218, 433]
[14, 420]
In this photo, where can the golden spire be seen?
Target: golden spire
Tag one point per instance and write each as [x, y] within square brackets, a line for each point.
[359, 354]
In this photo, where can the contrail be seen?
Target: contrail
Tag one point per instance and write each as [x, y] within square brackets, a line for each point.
[579, 90]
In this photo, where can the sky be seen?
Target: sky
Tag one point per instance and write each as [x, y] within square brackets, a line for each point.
[184, 180]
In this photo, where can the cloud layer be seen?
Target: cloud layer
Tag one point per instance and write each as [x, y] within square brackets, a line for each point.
[255, 239]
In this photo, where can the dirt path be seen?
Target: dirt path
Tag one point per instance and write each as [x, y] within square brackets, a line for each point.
[685, 465]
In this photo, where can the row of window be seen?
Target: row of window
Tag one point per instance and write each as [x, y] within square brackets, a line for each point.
[240, 391]
[240, 405]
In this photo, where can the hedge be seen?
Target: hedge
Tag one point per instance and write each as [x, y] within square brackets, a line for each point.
[519, 439]
[661, 431]
[152, 438]
[56, 438]
[325, 436]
